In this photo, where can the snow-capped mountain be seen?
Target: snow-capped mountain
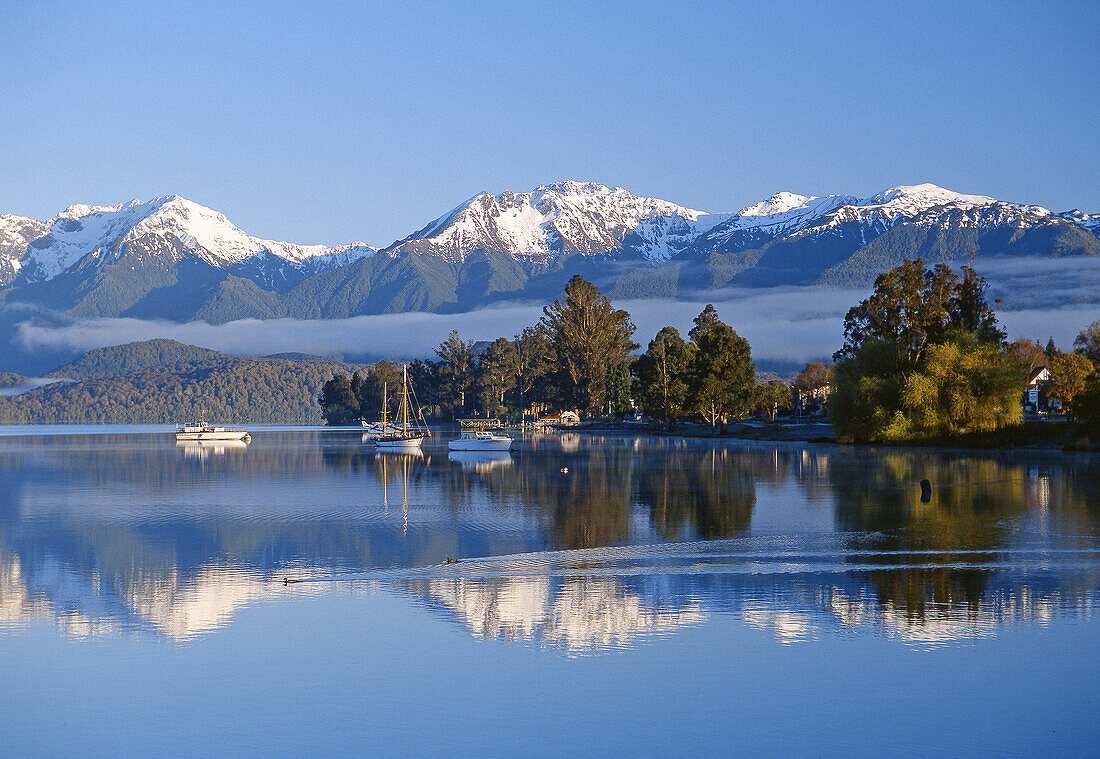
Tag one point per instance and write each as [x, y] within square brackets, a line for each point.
[555, 220]
[171, 224]
[172, 258]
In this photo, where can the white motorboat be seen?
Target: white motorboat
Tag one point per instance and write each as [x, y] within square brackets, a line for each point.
[201, 432]
[405, 438]
[480, 440]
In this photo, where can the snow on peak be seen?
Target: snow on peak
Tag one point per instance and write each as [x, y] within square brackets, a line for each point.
[584, 217]
[206, 233]
[785, 211]
[781, 202]
[571, 187]
[923, 196]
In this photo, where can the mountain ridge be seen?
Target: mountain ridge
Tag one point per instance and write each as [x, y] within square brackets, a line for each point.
[172, 258]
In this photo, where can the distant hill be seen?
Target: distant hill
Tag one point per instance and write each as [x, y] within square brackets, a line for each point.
[145, 354]
[163, 381]
[11, 379]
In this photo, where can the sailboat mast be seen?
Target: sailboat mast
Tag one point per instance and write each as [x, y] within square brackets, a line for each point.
[385, 402]
[405, 398]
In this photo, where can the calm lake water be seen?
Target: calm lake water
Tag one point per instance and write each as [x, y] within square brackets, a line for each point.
[616, 596]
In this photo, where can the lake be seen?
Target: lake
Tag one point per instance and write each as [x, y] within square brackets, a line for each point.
[614, 596]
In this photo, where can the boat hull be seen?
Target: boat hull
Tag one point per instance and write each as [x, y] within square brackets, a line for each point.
[211, 437]
[480, 445]
[404, 445]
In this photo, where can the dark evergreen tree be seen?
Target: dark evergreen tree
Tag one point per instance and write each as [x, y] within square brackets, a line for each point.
[531, 365]
[496, 375]
[458, 370]
[587, 336]
[664, 376]
[968, 310]
[339, 405]
[723, 375]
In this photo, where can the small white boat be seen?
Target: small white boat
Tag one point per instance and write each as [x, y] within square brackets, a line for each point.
[480, 440]
[201, 432]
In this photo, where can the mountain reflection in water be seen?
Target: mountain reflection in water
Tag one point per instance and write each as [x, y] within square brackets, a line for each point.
[584, 545]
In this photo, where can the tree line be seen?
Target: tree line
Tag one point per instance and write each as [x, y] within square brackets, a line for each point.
[579, 356]
[924, 357]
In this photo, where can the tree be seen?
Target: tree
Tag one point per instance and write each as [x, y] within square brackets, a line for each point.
[908, 309]
[772, 397]
[457, 369]
[1069, 375]
[1028, 354]
[664, 376]
[813, 381]
[922, 355]
[618, 389]
[339, 405]
[587, 336]
[424, 381]
[964, 385]
[1051, 349]
[723, 375]
[866, 402]
[1088, 342]
[530, 365]
[496, 375]
[1086, 406]
[968, 310]
[383, 381]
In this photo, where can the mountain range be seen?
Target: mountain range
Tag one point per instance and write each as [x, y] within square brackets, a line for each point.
[170, 258]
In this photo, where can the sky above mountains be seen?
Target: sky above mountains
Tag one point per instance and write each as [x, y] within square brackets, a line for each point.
[357, 123]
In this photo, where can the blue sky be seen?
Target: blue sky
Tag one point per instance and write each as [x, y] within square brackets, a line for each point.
[364, 121]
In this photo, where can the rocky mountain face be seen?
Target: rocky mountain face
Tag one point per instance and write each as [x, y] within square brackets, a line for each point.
[174, 259]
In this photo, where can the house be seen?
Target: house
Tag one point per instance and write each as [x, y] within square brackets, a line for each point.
[1036, 391]
[561, 419]
[811, 400]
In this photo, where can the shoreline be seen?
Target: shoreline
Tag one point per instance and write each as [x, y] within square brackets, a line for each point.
[1031, 436]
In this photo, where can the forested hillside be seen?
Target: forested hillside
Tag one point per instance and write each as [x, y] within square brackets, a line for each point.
[131, 357]
[223, 389]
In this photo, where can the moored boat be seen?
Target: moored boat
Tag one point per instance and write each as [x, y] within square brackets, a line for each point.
[407, 437]
[201, 432]
[480, 440]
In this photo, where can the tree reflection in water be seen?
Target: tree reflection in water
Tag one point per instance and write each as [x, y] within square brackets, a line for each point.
[127, 527]
[981, 507]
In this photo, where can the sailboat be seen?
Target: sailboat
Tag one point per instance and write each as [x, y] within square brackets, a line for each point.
[406, 438]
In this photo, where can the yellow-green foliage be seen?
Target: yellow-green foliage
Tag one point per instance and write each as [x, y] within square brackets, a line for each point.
[962, 386]
[1069, 374]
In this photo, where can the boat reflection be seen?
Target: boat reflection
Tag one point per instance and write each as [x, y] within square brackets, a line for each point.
[195, 449]
[480, 461]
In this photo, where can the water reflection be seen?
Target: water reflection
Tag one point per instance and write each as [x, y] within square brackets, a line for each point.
[102, 534]
[481, 462]
[201, 449]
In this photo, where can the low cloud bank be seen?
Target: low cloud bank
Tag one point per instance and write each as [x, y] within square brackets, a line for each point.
[784, 325]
